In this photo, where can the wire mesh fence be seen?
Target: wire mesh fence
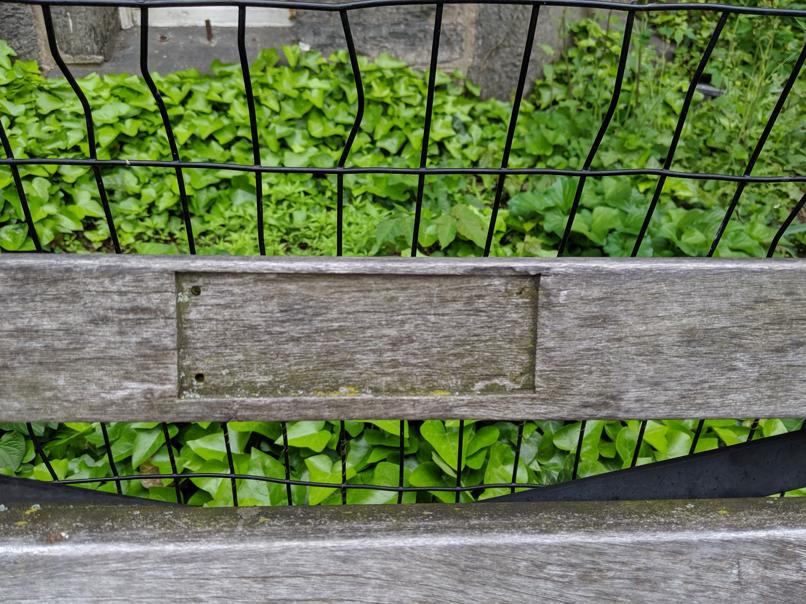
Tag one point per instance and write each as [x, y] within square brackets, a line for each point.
[719, 15]
[252, 463]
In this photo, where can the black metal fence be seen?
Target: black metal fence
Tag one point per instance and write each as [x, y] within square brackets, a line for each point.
[721, 15]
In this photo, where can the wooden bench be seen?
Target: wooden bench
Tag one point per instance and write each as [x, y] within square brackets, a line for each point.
[125, 338]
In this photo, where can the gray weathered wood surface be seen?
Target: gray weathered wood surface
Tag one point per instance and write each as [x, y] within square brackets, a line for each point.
[326, 335]
[77, 331]
[659, 339]
[733, 550]
[125, 338]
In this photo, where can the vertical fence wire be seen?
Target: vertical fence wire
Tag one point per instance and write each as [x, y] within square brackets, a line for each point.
[40, 451]
[578, 451]
[230, 464]
[678, 131]
[401, 449]
[753, 427]
[110, 457]
[459, 456]
[180, 182]
[166, 436]
[517, 460]
[15, 175]
[53, 46]
[638, 442]
[696, 438]
[785, 225]
[261, 237]
[751, 163]
[85, 106]
[286, 464]
[348, 145]
[597, 141]
[499, 188]
[667, 164]
[253, 131]
[429, 109]
[513, 122]
[343, 458]
[166, 124]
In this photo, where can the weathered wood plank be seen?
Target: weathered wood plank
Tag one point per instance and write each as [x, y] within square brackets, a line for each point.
[395, 265]
[720, 341]
[747, 550]
[95, 338]
[248, 335]
[71, 332]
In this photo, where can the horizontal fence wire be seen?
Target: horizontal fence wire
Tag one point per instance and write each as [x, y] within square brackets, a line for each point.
[304, 483]
[723, 12]
[182, 480]
[317, 171]
[361, 4]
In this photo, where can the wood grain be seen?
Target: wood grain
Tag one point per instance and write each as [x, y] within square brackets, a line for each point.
[719, 342]
[328, 335]
[731, 550]
[395, 265]
[75, 332]
[95, 338]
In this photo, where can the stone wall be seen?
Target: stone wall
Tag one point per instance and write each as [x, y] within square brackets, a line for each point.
[83, 33]
[403, 31]
[484, 41]
[21, 27]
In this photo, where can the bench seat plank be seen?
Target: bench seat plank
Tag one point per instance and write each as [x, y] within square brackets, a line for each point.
[661, 551]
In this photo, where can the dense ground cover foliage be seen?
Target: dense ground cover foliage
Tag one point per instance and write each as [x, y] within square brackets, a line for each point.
[306, 106]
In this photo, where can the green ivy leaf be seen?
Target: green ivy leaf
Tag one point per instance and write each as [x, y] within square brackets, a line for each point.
[446, 230]
[13, 237]
[308, 434]
[384, 473]
[470, 224]
[212, 446]
[322, 469]
[12, 450]
[428, 474]
[146, 443]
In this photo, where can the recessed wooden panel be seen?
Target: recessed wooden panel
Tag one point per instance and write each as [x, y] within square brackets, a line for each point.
[251, 335]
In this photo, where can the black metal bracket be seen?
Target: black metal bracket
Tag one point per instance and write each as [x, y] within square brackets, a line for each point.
[23, 491]
[757, 469]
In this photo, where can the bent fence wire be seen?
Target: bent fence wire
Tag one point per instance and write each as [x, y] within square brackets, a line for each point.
[721, 15]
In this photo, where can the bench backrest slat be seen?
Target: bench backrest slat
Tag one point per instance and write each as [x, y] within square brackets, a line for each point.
[108, 338]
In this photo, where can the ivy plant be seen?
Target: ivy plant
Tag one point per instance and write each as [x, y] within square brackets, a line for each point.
[306, 104]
